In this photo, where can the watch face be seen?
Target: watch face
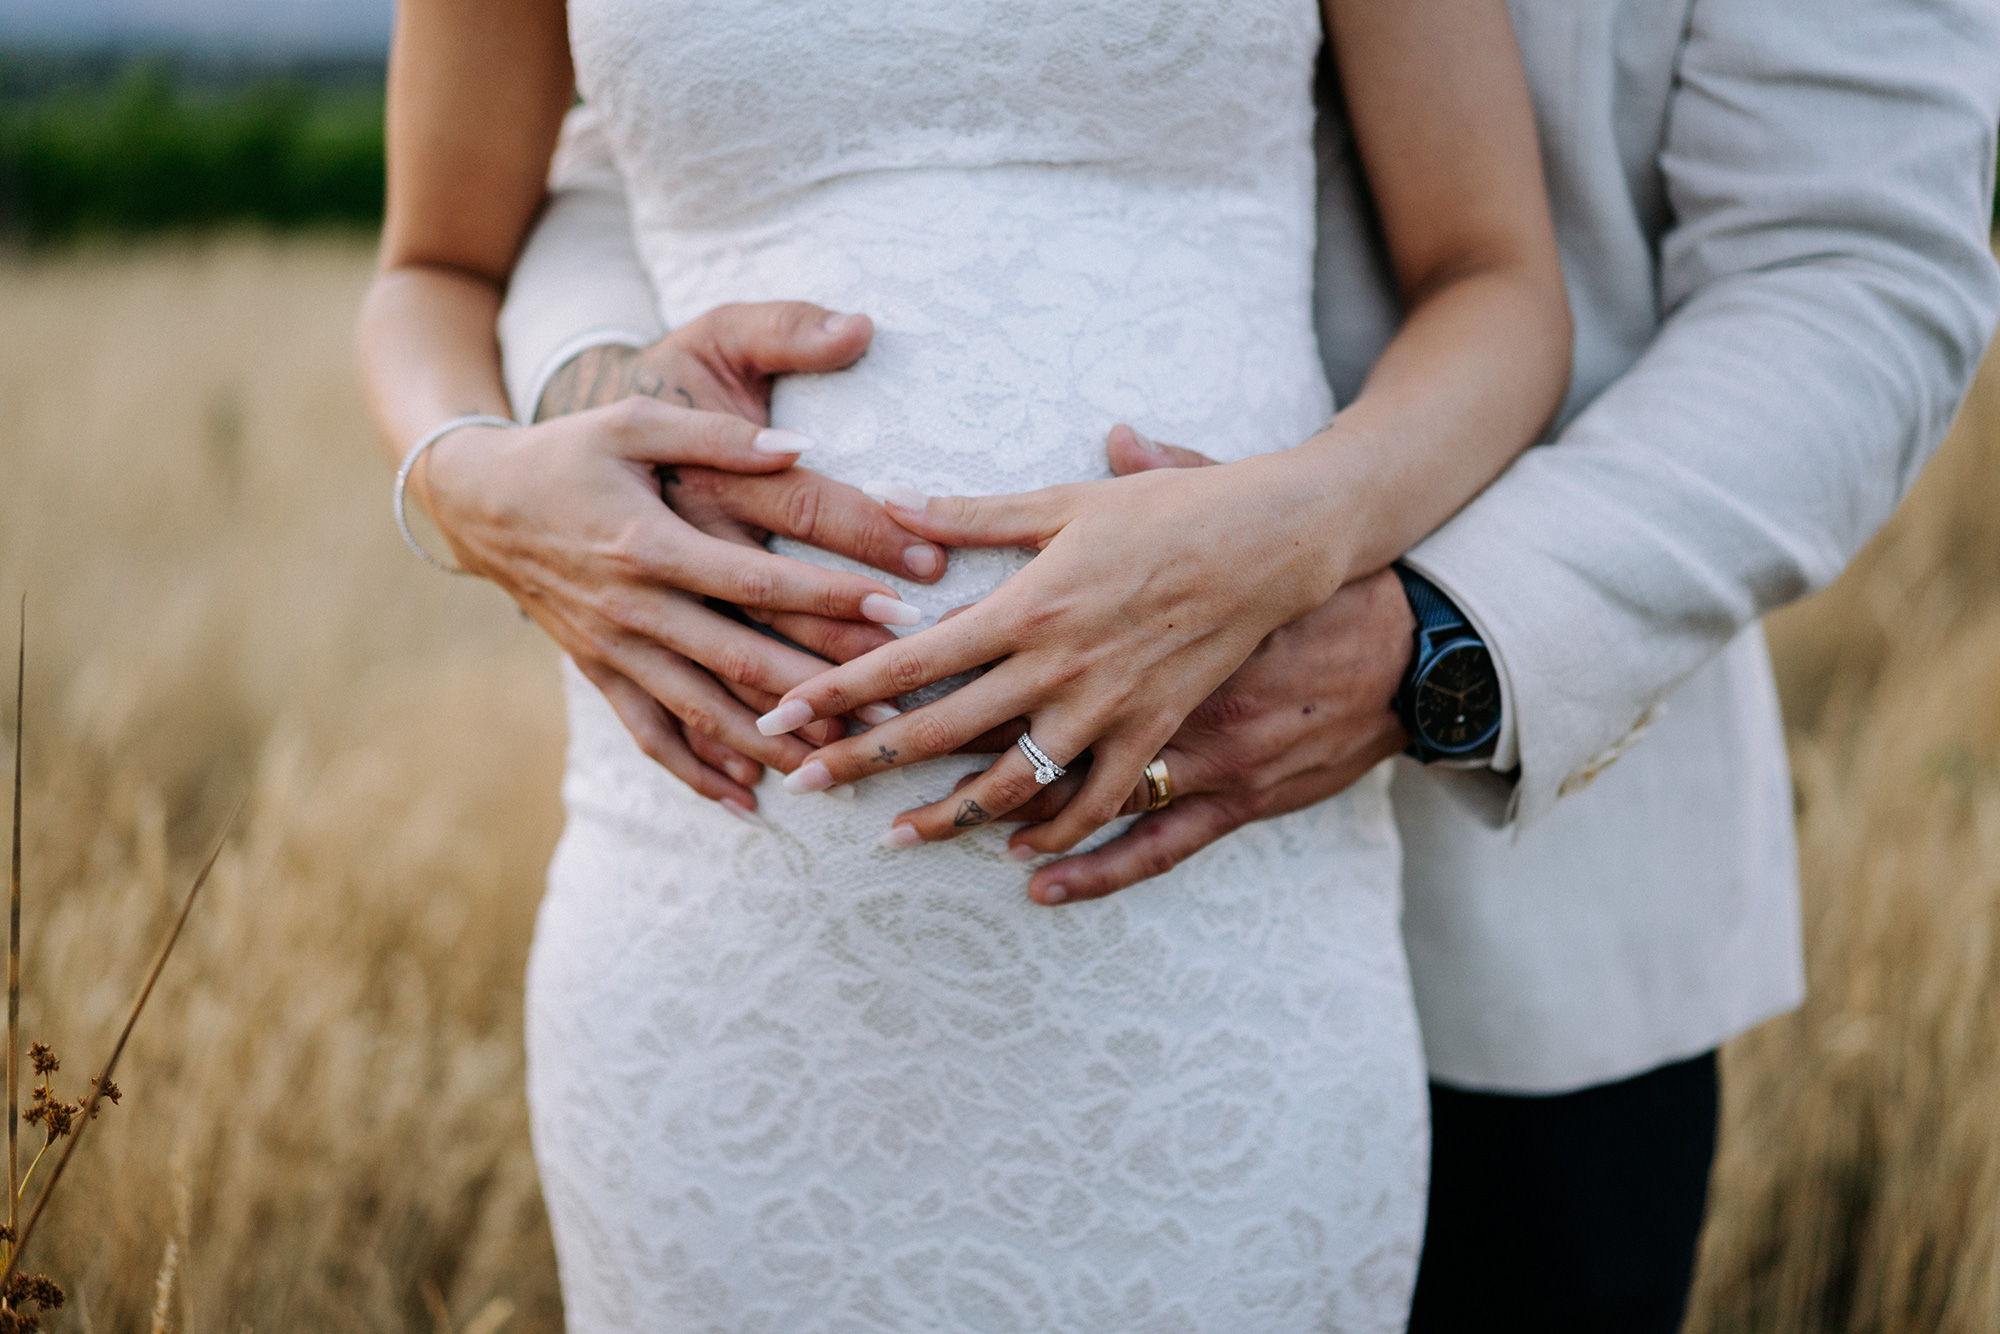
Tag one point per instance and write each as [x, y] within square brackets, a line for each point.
[1458, 700]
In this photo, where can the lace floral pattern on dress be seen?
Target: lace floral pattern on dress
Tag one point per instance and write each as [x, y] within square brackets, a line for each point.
[783, 1080]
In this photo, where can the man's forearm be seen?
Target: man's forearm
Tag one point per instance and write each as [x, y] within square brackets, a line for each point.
[1829, 288]
[579, 282]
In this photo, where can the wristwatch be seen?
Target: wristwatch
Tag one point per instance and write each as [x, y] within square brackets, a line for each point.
[1449, 699]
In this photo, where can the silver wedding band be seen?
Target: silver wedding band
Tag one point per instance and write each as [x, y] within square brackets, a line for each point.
[1046, 769]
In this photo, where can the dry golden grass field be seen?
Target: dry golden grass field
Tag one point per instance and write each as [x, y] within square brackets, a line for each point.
[323, 1125]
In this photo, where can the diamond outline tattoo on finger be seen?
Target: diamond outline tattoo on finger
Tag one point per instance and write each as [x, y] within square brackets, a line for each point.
[970, 814]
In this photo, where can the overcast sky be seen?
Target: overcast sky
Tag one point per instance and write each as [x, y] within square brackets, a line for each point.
[260, 26]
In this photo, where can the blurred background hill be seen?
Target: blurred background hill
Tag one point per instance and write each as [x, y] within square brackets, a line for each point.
[137, 116]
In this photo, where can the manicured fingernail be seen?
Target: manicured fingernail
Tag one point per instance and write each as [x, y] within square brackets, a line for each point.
[895, 493]
[900, 837]
[885, 610]
[1053, 894]
[877, 713]
[1146, 442]
[920, 561]
[845, 791]
[773, 441]
[812, 776]
[840, 324]
[1020, 852]
[787, 717]
[743, 813]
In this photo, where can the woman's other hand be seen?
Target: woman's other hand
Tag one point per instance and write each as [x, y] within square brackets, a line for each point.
[727, 361]
[567, 517]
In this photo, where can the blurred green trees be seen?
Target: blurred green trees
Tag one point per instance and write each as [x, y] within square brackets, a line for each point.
[145, 155]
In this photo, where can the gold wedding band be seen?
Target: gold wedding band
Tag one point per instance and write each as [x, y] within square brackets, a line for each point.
[1159, 785]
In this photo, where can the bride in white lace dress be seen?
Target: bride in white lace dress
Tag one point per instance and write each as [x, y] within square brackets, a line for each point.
[789, 1077]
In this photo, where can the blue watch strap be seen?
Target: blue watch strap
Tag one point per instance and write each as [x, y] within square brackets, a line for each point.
[1439, 621]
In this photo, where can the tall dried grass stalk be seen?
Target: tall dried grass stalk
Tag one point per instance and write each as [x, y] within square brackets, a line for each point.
[336, 1055]
[189, 486]
[14, 941]
[1858, 1187]
[101, 1083]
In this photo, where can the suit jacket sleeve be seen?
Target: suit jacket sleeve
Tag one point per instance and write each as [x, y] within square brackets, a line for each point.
[1827, 287]
[579, 282]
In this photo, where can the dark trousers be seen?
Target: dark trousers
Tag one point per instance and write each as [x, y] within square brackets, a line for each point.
[1573, 1212]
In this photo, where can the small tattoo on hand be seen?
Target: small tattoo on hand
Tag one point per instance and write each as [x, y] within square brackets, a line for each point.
[970, 814]
[883, 755]
[686, 397]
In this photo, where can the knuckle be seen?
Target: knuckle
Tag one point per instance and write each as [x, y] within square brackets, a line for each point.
[929, 734]
[700, 716]
[1159, 861]
[717, 432]
[739, 663]
[620, 609]
[907, 670]
[1100, 810]
[754, 586]
[630, 418]
[629, 553]
[799, 510]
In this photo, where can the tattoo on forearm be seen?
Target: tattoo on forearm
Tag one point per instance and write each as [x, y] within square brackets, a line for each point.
[600, 375]
[970, 814]
[589, 379]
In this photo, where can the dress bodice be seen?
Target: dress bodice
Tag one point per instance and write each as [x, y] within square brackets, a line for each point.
[787, 1080]
[721, 109]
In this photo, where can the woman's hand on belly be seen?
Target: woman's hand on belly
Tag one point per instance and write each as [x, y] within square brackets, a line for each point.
[567, 516]
[1148, 592]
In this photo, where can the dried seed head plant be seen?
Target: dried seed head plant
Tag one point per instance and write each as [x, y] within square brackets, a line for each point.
[25, 1298]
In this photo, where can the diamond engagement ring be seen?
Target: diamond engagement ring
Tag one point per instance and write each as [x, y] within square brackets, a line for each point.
[1046, 769]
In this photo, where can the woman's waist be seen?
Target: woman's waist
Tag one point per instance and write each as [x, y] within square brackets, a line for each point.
[1014, 328]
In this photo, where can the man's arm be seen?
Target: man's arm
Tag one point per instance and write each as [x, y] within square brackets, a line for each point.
[578, 284]
[1830, 289]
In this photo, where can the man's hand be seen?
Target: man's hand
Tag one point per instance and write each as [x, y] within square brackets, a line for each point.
[1301, 720]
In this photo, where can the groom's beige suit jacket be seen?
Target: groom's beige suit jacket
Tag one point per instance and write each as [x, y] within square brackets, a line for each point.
[1774, 218]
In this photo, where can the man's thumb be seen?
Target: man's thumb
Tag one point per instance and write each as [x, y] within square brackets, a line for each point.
[1131, 452]
[781, 337]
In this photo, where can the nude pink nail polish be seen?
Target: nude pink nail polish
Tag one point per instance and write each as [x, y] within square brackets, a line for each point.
[773, 441]
[787, 717]
[885, 610]
[812, 776]
[901, 837]
[895, 493]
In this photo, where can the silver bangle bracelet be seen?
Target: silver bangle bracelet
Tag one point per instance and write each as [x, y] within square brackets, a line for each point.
[431, 437]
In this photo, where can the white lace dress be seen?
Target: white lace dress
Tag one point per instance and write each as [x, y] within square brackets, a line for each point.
[785, 1081]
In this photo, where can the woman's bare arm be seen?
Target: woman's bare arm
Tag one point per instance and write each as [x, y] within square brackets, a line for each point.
[477, 92]
[567, 516]
[1440, 110]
